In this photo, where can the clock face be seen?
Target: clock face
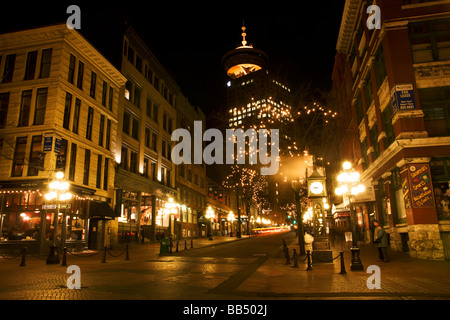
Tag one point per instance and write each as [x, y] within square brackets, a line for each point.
[316, 187]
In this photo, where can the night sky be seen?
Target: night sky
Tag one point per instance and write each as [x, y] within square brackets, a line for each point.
[189, 38]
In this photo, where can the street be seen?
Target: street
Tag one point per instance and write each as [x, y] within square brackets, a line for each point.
[252, 268]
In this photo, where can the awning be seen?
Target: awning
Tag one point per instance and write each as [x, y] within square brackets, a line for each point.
[101, 210]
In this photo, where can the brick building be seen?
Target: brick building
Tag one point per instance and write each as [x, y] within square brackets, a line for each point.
[391, 87]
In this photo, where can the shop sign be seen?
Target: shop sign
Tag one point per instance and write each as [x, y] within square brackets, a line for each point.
[402, 97]
[57, 144]
[421, 186]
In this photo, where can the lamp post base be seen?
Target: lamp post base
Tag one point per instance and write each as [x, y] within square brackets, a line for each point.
[356, 260]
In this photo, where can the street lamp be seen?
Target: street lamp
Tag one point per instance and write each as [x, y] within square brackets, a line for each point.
[58, 191]
[231, 220]
[349, 187]
[210, 216]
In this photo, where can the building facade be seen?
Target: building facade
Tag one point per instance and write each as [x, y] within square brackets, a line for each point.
[391, 88]
[59, 113]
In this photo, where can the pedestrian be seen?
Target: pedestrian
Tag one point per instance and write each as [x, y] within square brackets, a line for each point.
[381, 238]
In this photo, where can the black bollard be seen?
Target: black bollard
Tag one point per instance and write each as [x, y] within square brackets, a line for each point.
[342, 264]
[127, 256]
[23, 264]
[104, 256]
[286, 254]
[192, 243]
[185, 244]
[64, 261]
[308, 254]
[295, 258]
[170, 245]
[177, 247]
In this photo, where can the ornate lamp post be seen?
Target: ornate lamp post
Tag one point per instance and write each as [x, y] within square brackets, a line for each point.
[231, 219]
[210, 216]
[350, 186]
[58, 191]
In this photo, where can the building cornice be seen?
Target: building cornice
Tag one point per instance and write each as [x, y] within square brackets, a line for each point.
[349, 17]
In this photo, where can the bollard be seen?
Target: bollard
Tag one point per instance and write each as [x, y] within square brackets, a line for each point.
[127, 256]
[308, 254]
[295, 258]
[342, 264]
[185, 244]
[104, 256]
[286, 254]
[177, 247]
[160, 247]
[64, 261]
[23, 264]
[170, 245]
[192, 243]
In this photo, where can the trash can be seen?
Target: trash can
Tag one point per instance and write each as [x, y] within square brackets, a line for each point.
[164, 245]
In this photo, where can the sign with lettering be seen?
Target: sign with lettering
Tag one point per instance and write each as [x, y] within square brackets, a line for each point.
[48, 142]
[421, 186]
[402, 97]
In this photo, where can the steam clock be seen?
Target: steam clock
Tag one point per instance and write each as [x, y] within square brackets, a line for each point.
[317, 193]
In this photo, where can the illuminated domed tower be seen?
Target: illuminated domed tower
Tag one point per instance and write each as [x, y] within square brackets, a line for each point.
[244, 59]
[257, 99]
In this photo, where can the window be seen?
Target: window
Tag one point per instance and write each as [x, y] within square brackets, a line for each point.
[135, 129]
[146, 167]
[101, 130]
[155, 112]
[46, 61]
[108, 134]
[87, 164]
[73, 161]
[104, 93]
[67, 107]
[435, 104]
[387, 125]
[76, 116]
[128, 89]
[359, 108]
[71, 73]
[30, 68]
[62, 156]
[8, 72]
[25, 107]
[4, 103]
[380, 67]
[130, 55]
[148, 110]
[124, 158]
[154, 141]
[41, 104]
[138, 63]
[111, 98]
[126, 123]
[36, 160]
[147, 137]
[137, 96]
[153, 170]
[105, 174]
[133, 161]
[90, 120]
[93, 84]
[430, 41]
[80, 75]
[99, 172]
[19, 157]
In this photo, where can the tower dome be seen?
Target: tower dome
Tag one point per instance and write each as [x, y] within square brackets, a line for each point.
[244, 59]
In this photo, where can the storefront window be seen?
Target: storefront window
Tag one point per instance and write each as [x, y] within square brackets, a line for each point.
[440, 174]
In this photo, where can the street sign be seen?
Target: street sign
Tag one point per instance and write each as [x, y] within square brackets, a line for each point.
[49, 206]
[65, 206]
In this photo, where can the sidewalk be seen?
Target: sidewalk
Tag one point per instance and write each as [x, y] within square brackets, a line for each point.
[401, 278]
